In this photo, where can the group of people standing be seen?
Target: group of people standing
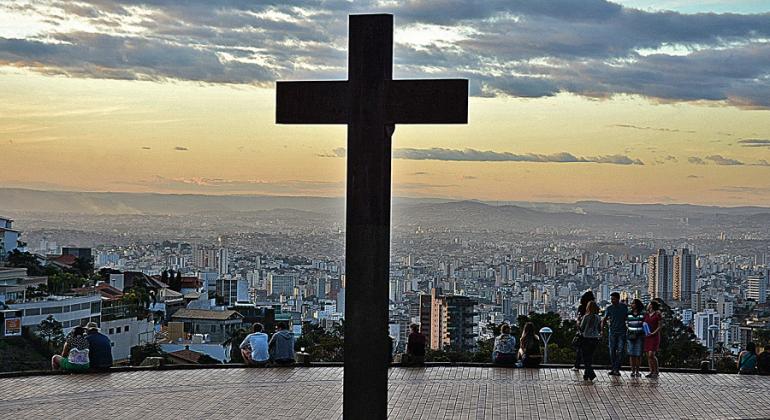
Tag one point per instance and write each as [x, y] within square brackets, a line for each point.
[85, 349]
[631, 330]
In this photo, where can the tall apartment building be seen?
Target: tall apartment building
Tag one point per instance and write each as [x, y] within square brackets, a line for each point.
[659, 275]
[757, 289]
[684, 275]
[452, 321]
[671, 276]
[281, 284]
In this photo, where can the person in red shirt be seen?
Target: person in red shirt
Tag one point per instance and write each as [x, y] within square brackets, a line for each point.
[653, 319]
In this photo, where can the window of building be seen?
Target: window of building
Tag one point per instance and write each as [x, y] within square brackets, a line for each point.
[96, 307]
[32, 311]
[118, 330]
[112, 331]
[66, 308]
[54, 310]
[125, 328]
[213, 328]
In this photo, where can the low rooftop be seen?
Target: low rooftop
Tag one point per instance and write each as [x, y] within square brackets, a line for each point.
[415, 393]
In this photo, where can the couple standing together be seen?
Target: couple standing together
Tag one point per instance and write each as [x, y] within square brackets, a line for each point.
[628, 328]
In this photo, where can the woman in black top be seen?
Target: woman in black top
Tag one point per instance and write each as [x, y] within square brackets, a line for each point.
[529, 353]
[581, 311]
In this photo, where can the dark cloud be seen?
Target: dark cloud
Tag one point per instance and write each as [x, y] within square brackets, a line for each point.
[696, 160]
[471, 155]
[181, 148]
[721, 160]
[146, 148]
[528, 48]
[470, 177]
[637, 127]
[754, 142]
[694, 177]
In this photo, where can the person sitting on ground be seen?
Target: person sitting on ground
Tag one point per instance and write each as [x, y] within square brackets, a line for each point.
[254, 347]
[74, 357]
[504, 352]
[99, 348]
[529, 353]
[747, 360]
[415, 347]
[281, 346]
[763, 361]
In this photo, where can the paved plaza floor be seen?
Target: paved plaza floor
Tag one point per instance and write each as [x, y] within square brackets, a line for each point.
[415, 393]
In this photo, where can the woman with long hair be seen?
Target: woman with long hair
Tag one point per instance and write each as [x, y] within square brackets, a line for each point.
[529, 352]
[634, 324]
[590, 329]
[654, 321]
[588, 296]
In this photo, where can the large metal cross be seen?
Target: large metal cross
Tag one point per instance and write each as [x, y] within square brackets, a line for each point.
[370, 103]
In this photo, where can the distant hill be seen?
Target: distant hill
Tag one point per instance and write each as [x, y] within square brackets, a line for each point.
[513, 216]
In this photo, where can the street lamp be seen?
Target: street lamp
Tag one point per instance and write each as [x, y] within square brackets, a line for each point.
[545, 334]
[713, 330]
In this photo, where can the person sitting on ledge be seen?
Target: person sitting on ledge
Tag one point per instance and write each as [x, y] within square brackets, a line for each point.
[763, 361]
[254, 347]
[504, 352]
[415, 347]
[100, 348]
[282, 346]
[529, 353]
[747, 360]
[74, 355]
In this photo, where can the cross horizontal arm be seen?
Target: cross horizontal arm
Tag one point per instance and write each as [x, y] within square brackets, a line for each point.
[325, 102]
[431, 101]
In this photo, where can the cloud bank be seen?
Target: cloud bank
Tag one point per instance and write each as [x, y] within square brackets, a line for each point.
[525, 48]
[472, 155]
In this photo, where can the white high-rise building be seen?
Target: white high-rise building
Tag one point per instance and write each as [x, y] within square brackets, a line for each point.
[702, 321]
[223, 262]
[757, 289]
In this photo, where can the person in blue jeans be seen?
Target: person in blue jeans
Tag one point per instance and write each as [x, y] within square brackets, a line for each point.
[616, 314]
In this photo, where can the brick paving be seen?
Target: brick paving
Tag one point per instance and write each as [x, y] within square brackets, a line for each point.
[415, 393]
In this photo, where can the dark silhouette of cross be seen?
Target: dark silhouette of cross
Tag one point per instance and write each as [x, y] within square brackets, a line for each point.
[370, 103]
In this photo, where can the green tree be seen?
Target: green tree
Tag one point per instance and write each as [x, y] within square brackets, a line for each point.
[139, 353]
[678, 345]
[64, 282]
[51, 331]
[26, 260]
[83, 267]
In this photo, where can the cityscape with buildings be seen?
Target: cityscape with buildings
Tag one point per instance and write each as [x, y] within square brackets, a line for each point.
[455, 280]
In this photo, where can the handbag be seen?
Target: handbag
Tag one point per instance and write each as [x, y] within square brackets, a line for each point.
[577, 340]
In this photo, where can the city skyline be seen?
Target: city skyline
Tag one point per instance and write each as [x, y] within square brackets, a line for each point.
[618, 104]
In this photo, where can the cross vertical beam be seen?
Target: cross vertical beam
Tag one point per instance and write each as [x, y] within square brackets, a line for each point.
[367, 239]
[371, 103]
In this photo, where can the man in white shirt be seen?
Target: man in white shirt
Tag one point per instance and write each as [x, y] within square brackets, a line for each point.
[254, 347]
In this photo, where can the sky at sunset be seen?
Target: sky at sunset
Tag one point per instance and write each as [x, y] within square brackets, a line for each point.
[633, 101]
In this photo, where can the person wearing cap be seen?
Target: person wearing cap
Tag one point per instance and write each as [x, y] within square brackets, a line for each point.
[100, 348]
